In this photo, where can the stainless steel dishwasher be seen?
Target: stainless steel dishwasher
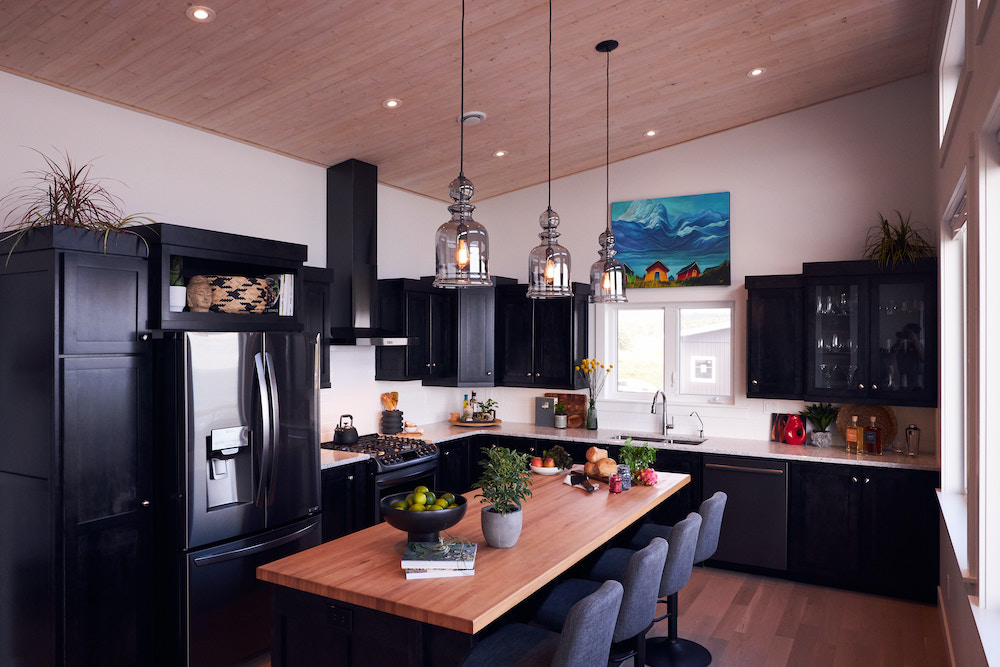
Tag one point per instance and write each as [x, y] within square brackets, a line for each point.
[755, 523]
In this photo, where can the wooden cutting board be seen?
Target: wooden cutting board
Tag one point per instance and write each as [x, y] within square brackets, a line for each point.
[576, 408]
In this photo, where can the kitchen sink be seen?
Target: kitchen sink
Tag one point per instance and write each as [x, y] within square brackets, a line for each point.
[667, 440]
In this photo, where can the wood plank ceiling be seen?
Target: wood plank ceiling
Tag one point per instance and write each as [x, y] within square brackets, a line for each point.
[306, 78]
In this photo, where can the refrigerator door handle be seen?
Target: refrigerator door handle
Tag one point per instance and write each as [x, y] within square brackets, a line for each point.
[275, 422]
[257, 548]
[265, 413]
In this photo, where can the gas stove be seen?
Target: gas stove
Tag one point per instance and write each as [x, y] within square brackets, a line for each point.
[390, 452]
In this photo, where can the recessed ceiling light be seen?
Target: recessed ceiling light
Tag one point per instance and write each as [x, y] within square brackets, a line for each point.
[650, 133]
[499, 153]
[471, 118]
[755, 72]
[392, 103]
[200, 14]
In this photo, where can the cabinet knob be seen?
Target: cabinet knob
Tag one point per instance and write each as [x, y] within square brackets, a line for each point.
[350, 478]
[489, 372]
[867, 480]
[433, 365]
[528, 374]
[854, 479]
[753, 382]
[144, 337]
[874, 386]
[861, 386]
[145, 503]
[538, 375]
[428, 365]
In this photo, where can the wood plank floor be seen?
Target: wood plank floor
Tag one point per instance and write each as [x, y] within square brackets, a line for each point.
[747, 620]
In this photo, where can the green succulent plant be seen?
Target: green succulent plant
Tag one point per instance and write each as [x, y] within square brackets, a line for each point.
[820, 415]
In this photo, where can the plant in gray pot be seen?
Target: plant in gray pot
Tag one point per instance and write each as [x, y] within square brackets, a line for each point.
[820, 415]
[505, 483]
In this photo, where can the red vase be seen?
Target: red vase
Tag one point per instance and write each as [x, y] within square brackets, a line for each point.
[795, 430]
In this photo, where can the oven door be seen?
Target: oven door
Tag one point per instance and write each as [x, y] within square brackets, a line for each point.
[403, 480]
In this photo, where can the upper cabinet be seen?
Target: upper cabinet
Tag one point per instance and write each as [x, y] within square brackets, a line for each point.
[217, 254]
[844, 332]
[539, 341]
[871, 336]
[774, 336]
[450, 333]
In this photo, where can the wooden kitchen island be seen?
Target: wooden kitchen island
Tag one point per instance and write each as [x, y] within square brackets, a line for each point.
[347, 602]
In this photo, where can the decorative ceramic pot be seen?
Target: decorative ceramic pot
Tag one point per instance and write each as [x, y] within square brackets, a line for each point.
[821, 438]
[795, 430]
[501, 530]
[560, 421]
[178, 298]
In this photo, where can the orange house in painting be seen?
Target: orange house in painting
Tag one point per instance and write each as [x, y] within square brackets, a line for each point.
[689, 271]
[657, 271]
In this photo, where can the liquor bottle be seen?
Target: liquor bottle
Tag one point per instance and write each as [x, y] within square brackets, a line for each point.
[851, 436]
[466, 413]
[873, 439]
[473, 405]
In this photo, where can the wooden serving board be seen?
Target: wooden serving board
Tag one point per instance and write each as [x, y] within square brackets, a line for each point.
[455, 422]
[576, 408]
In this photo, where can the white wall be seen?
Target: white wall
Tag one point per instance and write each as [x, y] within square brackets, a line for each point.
[805, 186]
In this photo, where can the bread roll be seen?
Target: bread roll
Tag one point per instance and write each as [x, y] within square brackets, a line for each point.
[595, 454]
[606, 467]
[590, 469]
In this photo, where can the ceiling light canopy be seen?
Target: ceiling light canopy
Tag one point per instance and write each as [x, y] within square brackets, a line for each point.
[462, 245]
[756, 71]
[549, 262]
[200, 14]
[392, 103]
[607, 275]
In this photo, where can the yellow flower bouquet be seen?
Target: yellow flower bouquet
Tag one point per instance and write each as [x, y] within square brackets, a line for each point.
[594, 373]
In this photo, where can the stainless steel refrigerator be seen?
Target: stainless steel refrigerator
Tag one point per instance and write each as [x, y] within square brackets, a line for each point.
[238, 485]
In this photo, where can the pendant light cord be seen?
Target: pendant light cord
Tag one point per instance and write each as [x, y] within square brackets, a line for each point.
[461, 113]
[607, 144]
[550, 108]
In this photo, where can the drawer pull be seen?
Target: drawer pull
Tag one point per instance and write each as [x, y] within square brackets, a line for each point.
[756, 471]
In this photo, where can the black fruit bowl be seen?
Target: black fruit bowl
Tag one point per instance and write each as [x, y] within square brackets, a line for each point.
[421, 526]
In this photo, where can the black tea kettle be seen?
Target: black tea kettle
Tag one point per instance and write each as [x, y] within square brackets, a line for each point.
[345, 433]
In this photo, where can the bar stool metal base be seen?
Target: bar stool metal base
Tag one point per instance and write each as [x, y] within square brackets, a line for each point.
[667, 652]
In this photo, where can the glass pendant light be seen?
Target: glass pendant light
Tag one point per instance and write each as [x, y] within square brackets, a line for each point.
[462, 245]
[607, 275]
[549, 262]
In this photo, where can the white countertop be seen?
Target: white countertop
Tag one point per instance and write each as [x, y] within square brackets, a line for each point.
[444, 431]
[331, 458]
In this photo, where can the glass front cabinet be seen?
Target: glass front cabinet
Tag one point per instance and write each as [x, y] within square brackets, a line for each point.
[871, 336]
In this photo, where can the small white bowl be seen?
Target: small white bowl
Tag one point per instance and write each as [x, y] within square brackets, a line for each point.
[546, 471]
[410, 429]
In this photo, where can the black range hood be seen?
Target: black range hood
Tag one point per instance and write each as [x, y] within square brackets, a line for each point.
[351, 245]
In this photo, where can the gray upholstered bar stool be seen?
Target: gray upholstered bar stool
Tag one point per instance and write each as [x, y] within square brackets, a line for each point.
[676, 651]
[641, 583]
[676, 572]
[584, 641]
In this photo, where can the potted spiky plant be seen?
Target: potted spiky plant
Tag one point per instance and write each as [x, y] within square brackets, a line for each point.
[820, 415]
[890, 244]
[504, 484]
[64, 193]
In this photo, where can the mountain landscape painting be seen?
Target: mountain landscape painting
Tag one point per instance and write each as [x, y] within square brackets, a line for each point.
[673, 241]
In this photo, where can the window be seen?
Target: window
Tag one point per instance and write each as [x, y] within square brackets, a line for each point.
[950, 66]
[686, 349]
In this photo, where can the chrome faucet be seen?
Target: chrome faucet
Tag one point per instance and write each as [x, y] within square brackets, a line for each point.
[666, 418]
[701, 431]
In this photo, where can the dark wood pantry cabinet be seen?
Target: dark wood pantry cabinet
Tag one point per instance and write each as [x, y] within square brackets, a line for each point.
[774, 336]
[75, 473]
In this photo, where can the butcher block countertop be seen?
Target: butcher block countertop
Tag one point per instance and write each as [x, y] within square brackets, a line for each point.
[561, 525]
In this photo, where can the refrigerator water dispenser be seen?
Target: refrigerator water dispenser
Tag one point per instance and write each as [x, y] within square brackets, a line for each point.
[230, 466]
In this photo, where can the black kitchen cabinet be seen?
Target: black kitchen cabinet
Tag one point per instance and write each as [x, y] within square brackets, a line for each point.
[75, 471]
[346, 498]
[539, 341]
[866, 528]
[455, 465]
[317, 315]
[687, 499]
[871, 336]
[206, 252]
[774, 336]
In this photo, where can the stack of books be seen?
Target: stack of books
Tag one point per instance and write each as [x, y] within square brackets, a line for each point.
[428, 560]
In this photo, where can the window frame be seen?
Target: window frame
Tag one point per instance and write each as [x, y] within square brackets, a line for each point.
[671, 318]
